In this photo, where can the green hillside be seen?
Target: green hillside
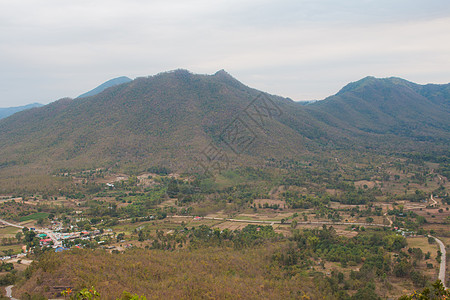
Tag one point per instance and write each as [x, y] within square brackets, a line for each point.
[6, 112]
[390, 108]
[175, 119]
[165, 119]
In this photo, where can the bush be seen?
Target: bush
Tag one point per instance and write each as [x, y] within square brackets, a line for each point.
[8, 279]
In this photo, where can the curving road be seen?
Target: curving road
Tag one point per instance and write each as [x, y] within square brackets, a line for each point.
[434, 201]
[8, 289]
[50, 233]
[389, 219]
[443, 261]
[9, 292]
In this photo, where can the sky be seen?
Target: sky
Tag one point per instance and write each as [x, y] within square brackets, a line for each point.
[301, 49]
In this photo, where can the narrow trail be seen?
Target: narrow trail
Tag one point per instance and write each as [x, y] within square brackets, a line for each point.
[434, 201]
[389, 219]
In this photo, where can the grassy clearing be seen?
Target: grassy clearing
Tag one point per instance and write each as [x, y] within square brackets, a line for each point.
[16, 249]
[8, 231]
[35, 216]
[422, 243]
[446, 242]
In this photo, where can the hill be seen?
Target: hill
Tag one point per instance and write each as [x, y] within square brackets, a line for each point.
[193, 122]
[105, 85]
[6, 112]
[164, 119]
[390, 107]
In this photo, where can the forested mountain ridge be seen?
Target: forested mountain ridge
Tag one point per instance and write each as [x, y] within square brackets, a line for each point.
[171, 118]
[391, 106]
[8, 111]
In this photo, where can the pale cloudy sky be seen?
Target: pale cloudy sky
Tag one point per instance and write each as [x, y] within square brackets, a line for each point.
[302, 49]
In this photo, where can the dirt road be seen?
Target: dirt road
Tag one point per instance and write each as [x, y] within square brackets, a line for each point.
[9, 292]
[442, 266]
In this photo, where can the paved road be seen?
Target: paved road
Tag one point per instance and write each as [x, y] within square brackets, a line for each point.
[9, 292]
[443, 261]
[50, 233]
[10, 224]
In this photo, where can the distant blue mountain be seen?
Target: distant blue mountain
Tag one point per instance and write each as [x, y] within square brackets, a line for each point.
[104, 86]
[6, 112]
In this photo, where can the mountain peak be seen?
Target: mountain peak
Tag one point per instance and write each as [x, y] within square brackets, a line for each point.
[105, 85]
[224, 76]
[374, 81]
[222, 72]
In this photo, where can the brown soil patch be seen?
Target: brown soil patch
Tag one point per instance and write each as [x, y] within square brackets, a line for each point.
[428, 213]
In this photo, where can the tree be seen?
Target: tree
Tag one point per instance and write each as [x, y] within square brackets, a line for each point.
[402, 269]
[294, 224]
[29, 236]
[8, 252]
[172, 188]
[128, 296]
[141, 236]
[366, 293]
[417, 253]
[92, 294]
[19, 236]
[120, 236]
[439, 255]
[436, 291]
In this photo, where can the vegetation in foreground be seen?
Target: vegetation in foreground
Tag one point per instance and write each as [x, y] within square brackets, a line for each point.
[146, 221]
[253, 263]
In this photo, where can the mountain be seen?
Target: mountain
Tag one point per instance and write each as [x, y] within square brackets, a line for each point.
[389, 106]
[6, 112]
[105, 85]
[191, 122]
[165, 119]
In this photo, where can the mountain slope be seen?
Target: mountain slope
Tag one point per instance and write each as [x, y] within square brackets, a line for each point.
[184, 121]
[6, 112]
[390, 106]
[168, 119]
[105, 85]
